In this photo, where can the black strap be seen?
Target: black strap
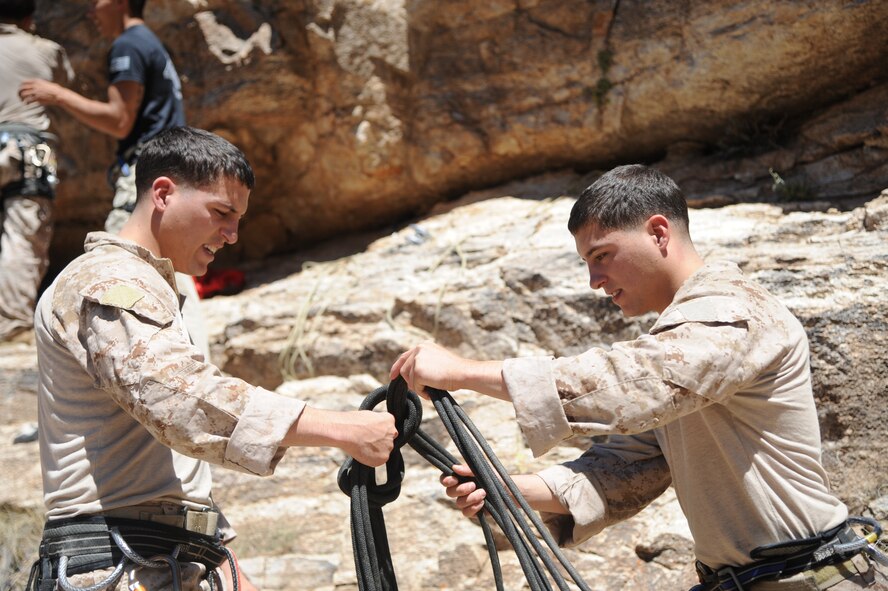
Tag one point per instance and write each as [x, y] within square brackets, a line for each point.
[37, 187]
[373, 562]
[122, 166]
[785, 559]
[39, 183]
[89, 545]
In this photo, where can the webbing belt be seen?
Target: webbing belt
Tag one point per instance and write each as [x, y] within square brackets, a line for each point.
[84, 544]
[779, 561]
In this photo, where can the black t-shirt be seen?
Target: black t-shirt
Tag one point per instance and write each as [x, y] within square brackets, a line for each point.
[137, 55]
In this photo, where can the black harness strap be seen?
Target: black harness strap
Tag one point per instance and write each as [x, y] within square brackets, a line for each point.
[785, 559]
[37, 179]
[87, 544]
[373, 562]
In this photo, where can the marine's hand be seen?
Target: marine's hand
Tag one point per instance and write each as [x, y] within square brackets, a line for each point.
[40, 91]
[469, 498]
[370, 437]
[429, 365]
[365, 435]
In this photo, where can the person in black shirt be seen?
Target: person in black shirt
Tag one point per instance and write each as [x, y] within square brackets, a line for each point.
[144, 98]
[144, 95]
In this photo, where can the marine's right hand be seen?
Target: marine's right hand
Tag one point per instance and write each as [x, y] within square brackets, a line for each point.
[371, 436]
[367, 436]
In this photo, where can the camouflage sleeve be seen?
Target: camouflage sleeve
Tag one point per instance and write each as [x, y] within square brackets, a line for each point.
[140, 356]
[609, 483]
[633, 387]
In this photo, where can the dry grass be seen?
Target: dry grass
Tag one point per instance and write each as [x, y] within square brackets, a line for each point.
[20, 531]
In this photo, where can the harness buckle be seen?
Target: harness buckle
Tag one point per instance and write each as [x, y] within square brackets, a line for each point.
[202, 522]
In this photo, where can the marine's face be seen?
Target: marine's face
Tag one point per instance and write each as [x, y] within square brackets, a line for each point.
[198, 222]
[108, 17]
[627, 265]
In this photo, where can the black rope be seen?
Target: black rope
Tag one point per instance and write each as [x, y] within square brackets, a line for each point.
[373, 561]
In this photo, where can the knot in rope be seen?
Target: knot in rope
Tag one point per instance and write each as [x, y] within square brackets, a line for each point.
[406, 407]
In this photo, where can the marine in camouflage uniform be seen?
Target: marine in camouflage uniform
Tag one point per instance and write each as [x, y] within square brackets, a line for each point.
[130, 413]
[27, 165]
[715, 400]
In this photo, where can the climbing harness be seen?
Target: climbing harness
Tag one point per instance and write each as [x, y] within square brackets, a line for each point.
[36, 159]
[825, 553]
[504, 503]
[84, 544]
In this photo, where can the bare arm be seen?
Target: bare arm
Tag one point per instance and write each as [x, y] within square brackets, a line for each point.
[365, 435]
[470, 498]
[115, 117]
[431, 365]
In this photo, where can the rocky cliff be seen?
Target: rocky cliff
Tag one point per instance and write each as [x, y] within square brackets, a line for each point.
[358, 113]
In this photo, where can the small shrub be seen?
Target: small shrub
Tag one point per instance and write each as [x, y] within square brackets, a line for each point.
[750, 135]
[20, 532]
[794, 190]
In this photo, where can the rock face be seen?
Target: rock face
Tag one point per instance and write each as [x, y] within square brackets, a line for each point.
[356, 114]
[494, 274]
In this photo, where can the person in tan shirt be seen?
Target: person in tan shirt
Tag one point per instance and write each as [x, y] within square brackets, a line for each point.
[715, 400]
[130, 412]
[27, 165]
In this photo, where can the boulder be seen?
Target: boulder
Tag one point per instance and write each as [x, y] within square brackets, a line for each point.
[361, 114]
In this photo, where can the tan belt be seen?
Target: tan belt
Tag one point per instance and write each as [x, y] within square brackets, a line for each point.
[201, 521]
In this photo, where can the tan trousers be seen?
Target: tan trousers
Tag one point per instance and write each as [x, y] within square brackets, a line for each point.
[24, 258]
[125, 196]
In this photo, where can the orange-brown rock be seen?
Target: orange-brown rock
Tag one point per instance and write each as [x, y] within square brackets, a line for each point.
[360, 113]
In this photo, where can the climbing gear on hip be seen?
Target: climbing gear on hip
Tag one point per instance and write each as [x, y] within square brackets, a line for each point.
[30, 152]
[824, 555]
[507, 508]
[88, 543]
[124, 165]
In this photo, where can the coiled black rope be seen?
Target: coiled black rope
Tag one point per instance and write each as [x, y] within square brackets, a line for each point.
[373, 561]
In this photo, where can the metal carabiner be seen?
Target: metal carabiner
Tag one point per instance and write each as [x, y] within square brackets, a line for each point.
[66, 585]
[157, 561]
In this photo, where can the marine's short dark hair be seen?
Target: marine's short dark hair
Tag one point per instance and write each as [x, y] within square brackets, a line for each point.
[626, 197]
[136, 7]
[191, 156]
[16, 10]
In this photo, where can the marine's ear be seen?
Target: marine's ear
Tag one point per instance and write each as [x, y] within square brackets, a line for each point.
[162, 189]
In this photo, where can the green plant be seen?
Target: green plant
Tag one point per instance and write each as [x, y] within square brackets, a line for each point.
[749, 135]
[794, 190]
[605, 61]
[600, 92]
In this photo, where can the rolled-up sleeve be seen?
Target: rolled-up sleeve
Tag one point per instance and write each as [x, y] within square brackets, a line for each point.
[609, 483]
[142, 359]
[538, 408]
